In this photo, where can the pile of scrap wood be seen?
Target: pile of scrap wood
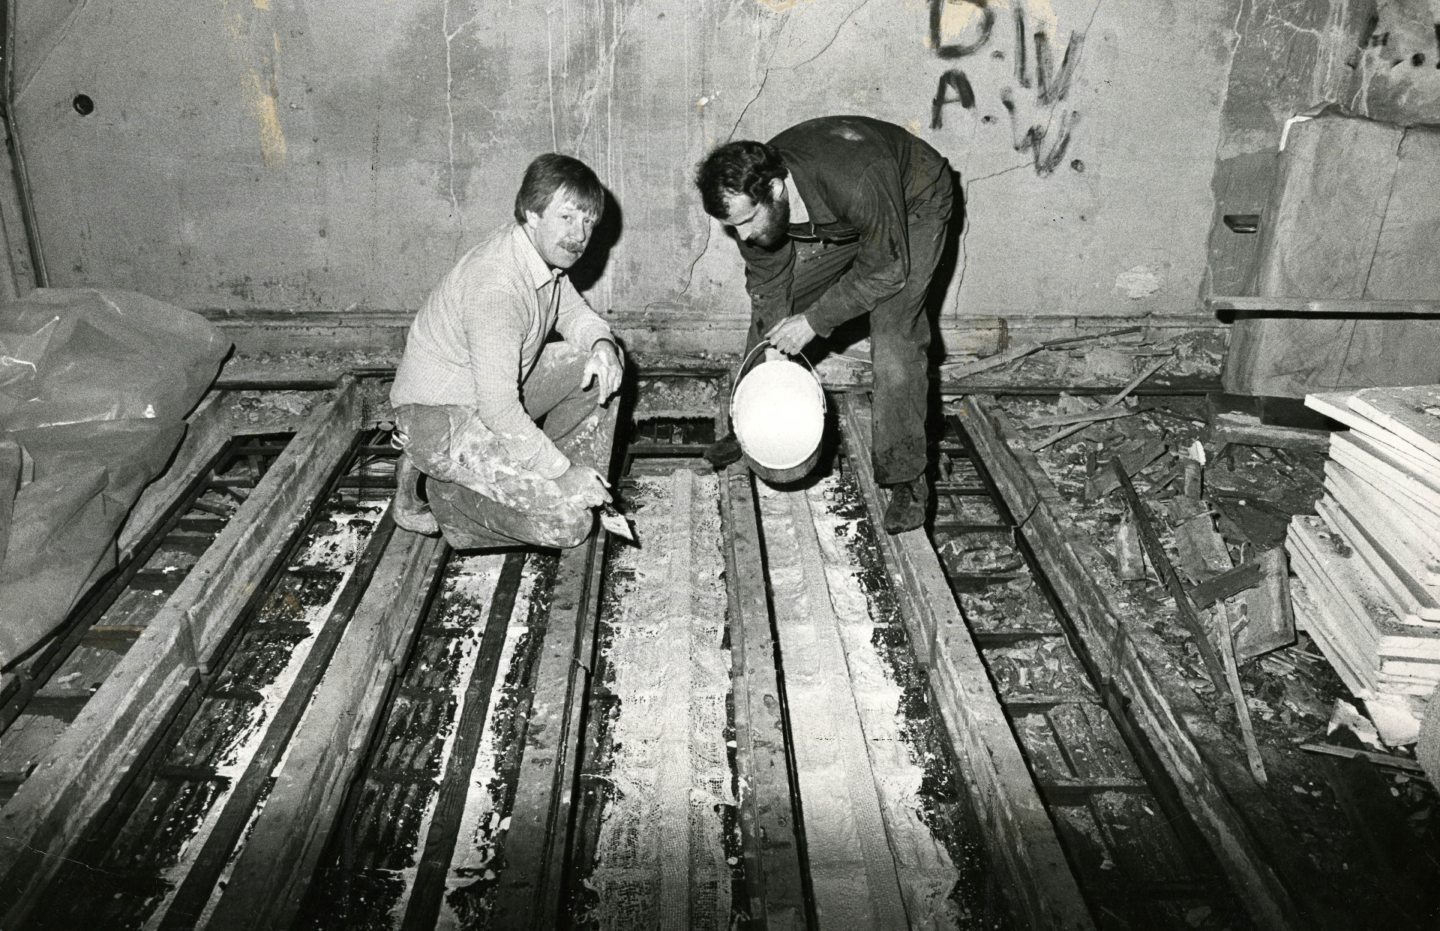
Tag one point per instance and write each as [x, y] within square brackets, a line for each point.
[1368, 563]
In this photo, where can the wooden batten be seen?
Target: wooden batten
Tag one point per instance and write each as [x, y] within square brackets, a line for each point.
[775, 873]
[1020, 837]
[1195, 753]
[537, 843]
[87, 766]
[273, 870]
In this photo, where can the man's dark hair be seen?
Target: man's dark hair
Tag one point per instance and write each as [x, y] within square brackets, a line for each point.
[740, 167]
[553, 172]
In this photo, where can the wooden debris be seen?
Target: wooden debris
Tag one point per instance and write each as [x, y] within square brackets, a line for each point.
[1379, 759]
[1193, 462]
[1248, 430]
[1242, 710]
[1233, 814]
[1227, 584]
[1129, 554]
[1114, 401]
[957, 370]
[966, 369]
[1091, 416]
[1270, 620]
[1200, 550]
[1133, 461]
[1155, 550]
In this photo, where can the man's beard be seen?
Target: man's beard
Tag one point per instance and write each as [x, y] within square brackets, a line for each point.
[777, 226]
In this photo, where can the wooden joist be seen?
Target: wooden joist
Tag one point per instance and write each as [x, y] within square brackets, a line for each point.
[867, 861]
[1248, 836]
[273, 869]
[1019, 835]
[88, 764]
[433, 868]
[537, 844]
[775, 873]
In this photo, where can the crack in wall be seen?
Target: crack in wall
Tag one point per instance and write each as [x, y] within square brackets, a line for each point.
[764, 80]
[450, 35]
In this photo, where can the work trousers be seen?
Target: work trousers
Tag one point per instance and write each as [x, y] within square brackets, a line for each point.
[480, 496]
[899, 337]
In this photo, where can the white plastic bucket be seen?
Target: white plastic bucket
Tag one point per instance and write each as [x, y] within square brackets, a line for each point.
[777, 410]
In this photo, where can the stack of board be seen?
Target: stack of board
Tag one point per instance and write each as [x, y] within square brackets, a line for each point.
[1368, 562]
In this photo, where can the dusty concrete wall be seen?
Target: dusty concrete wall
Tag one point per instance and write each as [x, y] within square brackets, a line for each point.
[289, 154]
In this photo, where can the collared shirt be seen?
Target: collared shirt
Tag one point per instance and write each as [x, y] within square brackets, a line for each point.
[479, 333]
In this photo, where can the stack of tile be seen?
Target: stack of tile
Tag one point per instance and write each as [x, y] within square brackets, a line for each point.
[1368, 562]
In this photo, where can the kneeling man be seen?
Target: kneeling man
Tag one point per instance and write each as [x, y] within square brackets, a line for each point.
[479, 371]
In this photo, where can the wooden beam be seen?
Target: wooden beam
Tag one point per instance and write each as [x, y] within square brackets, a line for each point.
[1229, 809]
[775, 873]
[207, 430]
[82, 770]
[273, 869]
[1019, 836]
[538, 842]
[531, 884]
[865, 853]
[433, 866]
[1309, 307]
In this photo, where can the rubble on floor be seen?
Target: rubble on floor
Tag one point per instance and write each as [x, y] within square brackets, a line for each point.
[1239, 504]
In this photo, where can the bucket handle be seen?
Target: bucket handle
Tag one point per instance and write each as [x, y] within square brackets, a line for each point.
[740, 375]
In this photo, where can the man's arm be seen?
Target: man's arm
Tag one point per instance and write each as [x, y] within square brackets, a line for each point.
[877, 210]
[580, 325]
[494, 325]
[769, 281]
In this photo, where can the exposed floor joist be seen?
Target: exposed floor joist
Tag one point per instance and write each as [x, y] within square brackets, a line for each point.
[89, 763]
[1165, 709]
[1020, 836]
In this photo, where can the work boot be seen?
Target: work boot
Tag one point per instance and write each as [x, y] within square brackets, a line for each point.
[411, 511]
[723, 451]
[908, 503]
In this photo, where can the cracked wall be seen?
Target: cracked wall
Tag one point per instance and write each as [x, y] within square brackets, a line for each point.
[291, 155]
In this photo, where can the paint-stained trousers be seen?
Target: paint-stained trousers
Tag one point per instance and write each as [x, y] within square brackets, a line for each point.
[899, 337]
[479, 495]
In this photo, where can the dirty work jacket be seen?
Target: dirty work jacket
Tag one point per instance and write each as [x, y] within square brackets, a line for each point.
[859, 178]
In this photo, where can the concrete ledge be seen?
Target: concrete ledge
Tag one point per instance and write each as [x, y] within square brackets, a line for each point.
[670, 331]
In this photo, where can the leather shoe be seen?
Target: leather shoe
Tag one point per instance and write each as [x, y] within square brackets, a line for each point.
[412, 513]
[908, 504]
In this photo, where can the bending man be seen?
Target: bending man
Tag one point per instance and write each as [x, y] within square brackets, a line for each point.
[838, 217]
[478, 372]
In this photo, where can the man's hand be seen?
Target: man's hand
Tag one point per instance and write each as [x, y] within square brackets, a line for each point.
[604, 367]
[791, 335]
[583, 484]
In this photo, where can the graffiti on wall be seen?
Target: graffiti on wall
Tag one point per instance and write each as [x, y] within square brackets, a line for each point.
[1034, 99]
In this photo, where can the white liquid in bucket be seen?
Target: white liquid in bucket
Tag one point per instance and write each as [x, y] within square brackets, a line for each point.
[778, 412]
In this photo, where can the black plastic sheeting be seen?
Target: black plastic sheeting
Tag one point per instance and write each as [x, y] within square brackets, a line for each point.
[94, 389]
